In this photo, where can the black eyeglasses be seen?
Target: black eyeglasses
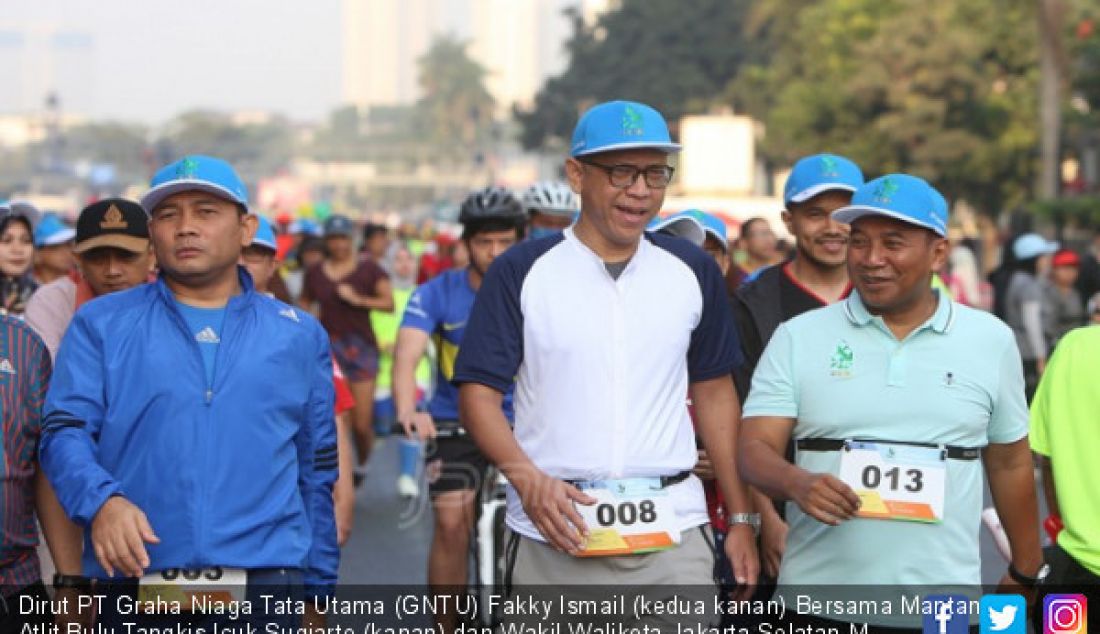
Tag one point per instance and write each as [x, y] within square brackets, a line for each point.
[624, 176]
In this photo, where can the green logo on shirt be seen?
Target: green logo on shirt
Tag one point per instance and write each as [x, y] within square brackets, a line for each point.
[841, 362]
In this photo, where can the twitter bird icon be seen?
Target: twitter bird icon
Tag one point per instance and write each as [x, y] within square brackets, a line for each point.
[1003, 614]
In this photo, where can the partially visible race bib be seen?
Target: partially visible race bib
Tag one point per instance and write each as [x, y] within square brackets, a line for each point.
[895, 481]
[630, 517]
[191, 589]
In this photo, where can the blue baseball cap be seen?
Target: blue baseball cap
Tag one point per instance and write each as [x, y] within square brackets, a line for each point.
[899, 196]
[621, 125]
[821, 173]
[195, 172]
[338, 225]
[52, 231]
[265, 235]
[304, 226]
[1032, 245]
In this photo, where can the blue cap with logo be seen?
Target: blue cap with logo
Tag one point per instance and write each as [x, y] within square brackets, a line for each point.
[621, 125]
[195, 172]
[265, 235]
[338, 225]
[52, 231]
[901, 197]
[819, 173]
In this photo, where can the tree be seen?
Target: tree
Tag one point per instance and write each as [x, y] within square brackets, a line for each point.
[674, 56]
[944, 90]
[456, 107]
[253, 148]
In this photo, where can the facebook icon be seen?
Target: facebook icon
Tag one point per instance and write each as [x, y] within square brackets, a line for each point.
[945, 614]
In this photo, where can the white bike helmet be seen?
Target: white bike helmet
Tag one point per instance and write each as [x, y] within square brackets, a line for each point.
[551, 197]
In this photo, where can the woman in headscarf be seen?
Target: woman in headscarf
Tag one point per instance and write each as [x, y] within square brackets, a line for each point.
[17, 222]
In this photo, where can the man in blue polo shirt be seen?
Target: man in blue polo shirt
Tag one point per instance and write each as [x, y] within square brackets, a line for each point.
[604, 330]
[891, 396]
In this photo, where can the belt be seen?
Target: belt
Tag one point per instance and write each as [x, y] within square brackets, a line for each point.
[952, 452]
[666, 481]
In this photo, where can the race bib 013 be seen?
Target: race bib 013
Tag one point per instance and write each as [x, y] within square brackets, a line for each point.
[630, 517]
[895, 481]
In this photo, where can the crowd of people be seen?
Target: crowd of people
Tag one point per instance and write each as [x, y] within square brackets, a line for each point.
[188, 385]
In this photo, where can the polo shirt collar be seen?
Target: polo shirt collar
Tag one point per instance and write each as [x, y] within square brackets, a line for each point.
[643, 246]
[940, 322]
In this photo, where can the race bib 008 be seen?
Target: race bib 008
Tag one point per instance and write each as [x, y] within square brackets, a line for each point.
[191, 589]
[630, 517]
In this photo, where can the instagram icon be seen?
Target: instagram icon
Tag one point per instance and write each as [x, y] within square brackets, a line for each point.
[1065, 614]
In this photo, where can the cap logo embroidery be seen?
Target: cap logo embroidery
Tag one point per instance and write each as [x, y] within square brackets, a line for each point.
[632, 122]
[828, 166]
[885, 190]
[187, 168]
[113, 219]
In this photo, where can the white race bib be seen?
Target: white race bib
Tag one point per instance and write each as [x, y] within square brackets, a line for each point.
[191, 589]
[630, 517]
[896, 481]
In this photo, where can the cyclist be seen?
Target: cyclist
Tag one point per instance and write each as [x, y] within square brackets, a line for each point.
[493, 220]
[551, 206]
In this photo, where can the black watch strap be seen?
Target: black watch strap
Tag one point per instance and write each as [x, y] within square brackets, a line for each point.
[1025, 580]
[71, 581]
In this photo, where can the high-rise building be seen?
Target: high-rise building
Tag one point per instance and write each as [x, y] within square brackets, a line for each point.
[519, 42]
[46, 60]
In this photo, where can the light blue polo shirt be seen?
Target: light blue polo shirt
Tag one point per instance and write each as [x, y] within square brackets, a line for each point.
[956, 380]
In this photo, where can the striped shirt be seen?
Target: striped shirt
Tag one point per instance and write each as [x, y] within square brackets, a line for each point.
[24, 376]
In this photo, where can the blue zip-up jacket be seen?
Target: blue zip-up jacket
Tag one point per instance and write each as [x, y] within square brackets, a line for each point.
[236, 473]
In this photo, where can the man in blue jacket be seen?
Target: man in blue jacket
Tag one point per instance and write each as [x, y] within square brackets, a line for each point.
[188, 426]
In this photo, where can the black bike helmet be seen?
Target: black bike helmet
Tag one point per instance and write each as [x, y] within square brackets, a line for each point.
[492, 203]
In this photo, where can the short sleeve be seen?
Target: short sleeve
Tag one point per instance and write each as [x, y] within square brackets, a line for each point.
[1041, 404]
[1009, 421]
[774, 391]
[423, 308]
[492, 345]
[714, 349]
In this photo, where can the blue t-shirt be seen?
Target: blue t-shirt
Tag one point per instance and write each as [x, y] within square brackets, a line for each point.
[441, 307]
[206, 326]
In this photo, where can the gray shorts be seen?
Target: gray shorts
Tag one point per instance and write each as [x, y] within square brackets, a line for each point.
[681, 574]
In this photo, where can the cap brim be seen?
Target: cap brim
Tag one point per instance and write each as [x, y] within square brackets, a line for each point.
[61, 237]
[850, 214]
[810, 192]
[667, 148]
[682, 227]
[264, 244]
[156, 195]
[133, 244]
[719, 237]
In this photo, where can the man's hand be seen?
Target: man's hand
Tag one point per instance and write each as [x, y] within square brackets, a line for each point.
[420, 423]
[825, 498]
[703, 468]
[120, 531]
[773, 542]
[549, 503]
[741, 549]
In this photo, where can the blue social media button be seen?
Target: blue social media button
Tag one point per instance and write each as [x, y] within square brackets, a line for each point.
[945, 614]
[1003, 614]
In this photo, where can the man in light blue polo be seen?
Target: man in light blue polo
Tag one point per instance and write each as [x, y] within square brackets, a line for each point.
[892, 396]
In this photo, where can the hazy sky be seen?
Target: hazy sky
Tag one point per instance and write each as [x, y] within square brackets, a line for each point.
[151, 59]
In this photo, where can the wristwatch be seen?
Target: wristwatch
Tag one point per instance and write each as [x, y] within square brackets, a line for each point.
[71, 581]
[752, 519]
[1024, 580]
